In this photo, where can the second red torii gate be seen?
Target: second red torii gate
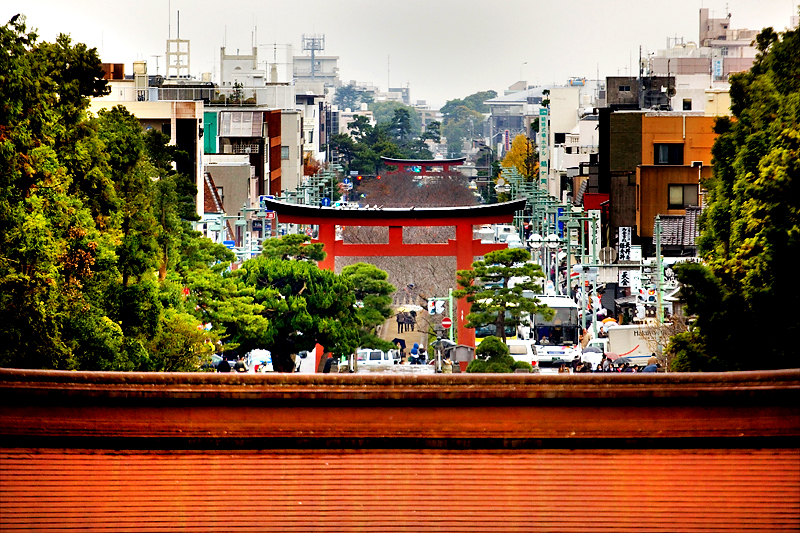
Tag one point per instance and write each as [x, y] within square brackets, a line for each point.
[464, 247]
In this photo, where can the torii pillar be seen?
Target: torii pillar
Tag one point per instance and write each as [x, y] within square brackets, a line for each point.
[464, 247]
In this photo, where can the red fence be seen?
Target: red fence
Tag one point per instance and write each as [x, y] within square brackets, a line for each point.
[214, 452]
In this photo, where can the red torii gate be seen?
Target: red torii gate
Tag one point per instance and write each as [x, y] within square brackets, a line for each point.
[404, 165]
[463, 247]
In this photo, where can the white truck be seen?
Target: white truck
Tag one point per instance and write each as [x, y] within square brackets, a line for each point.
[625, 341]
[502, 231]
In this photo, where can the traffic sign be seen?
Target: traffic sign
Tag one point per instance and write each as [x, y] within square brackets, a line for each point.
[326, 202]
[229, 244]
[446, 323]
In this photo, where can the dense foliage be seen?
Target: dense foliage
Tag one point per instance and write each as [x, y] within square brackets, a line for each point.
[394, 136]
[398, 130]
[100, 268]
[85, 230]
[493, 356]
[463, 118]
[750, 230]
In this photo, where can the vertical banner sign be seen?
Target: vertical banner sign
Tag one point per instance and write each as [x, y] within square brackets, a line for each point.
[594, 234]
[624, 278]
[544, 155]
[624, 244]
[506, 141]
[717, 67]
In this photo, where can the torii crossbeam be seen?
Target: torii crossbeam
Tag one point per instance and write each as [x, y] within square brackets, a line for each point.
[464, 247]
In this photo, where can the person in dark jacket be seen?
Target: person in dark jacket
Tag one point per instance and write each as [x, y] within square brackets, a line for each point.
[328, 364]
[224, 366]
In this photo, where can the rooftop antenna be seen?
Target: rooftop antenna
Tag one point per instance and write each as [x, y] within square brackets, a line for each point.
[313, 43]
[156, 63]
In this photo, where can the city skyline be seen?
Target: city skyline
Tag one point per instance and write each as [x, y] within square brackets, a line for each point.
[441, 50]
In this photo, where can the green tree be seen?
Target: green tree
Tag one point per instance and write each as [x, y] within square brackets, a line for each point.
[293, 247]
[49, 244]
[400, 124]
[433, 132]
[122, 138]
[385, 113]
[347, 97]
[360, 128]
[79, 244]
[750, 229]
[499, 289]
[373, 301]
[304, 306]
[344, 146]
[461, 117]
[493, 356]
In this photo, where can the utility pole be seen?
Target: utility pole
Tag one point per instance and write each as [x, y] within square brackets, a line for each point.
[659, 285]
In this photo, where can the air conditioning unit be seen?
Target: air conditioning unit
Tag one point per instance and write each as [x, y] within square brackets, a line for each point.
[696, 164]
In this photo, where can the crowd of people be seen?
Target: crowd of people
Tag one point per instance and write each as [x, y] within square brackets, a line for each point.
[406, 321]
[416, 356]
[607, 365]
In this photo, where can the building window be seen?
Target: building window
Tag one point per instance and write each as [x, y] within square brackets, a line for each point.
[687, 105]
[284, 152]
[682, 196]
[668, 154]
[624, 88]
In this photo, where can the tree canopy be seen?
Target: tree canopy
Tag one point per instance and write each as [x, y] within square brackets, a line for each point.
[463, 118]
[495, 289]
[493, 356]
[85, 229]
[303, 305]
[750, 229]
[523, 157]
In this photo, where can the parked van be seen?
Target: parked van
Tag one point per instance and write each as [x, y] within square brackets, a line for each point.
[374, 357]
[502, 231]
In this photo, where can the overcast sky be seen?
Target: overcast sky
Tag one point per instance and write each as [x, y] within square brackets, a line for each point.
[441, 49]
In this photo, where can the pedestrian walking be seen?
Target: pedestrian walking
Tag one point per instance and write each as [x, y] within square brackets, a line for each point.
[413, 319]
[414, 356]
[399, 322]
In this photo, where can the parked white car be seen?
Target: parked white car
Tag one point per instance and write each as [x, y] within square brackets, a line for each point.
[522, 350]
[373, 357]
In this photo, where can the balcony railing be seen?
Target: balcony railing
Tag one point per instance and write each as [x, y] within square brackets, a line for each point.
[273, 96]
